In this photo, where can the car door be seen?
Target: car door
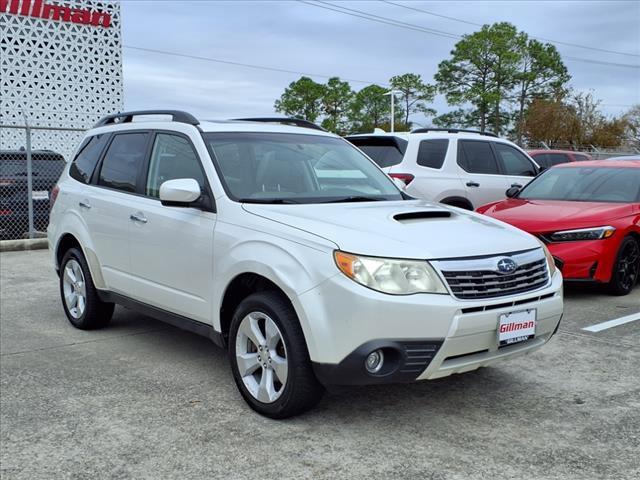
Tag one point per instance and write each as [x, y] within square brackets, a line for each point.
[108, 202]
[480, 172]
[172, 247]
[516, 165]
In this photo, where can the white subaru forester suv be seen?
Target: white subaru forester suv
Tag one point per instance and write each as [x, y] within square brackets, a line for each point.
[293, 250]
[462, 168]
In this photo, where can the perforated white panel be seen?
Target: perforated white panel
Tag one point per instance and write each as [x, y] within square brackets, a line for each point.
[61, 74]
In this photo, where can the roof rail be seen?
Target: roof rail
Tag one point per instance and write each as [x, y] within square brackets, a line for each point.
[127, 117]
[453, 130]
[298, 122]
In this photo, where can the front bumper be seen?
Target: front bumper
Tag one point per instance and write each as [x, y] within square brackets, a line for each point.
[343, 322]
[587, 260]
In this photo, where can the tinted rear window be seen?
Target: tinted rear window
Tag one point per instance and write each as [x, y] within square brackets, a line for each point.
[385, 151]
[432, 152]
[122, 161]
[43, 164]
[87, 158]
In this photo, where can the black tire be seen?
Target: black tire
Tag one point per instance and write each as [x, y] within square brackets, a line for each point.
[302, 391]
[626, 270]
[97, 313]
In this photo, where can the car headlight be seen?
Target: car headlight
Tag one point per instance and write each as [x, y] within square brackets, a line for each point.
[597, 233]
[393, 276]
[550, 260]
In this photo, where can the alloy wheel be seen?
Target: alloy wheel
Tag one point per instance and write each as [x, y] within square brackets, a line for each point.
[629, 265]
[74, 288]
[261, 356]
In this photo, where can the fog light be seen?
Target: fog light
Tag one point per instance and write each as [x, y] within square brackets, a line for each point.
[374, 361]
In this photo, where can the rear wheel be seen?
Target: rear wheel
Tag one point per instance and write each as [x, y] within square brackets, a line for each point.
[269, 357]
[627, 267]
[80, 300]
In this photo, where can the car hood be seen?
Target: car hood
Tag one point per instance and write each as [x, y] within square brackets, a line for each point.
[539, 216]
[389, 229]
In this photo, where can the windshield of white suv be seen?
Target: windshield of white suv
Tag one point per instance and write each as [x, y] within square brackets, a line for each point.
[295, 168]
[587, 184]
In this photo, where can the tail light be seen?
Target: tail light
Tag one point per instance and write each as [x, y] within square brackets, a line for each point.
[405, 178]
[5, 211]
[53, 196]
[5, 182]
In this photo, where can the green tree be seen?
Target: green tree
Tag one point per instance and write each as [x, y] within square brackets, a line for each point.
[370, 109]
[302, 98]
[336, 102]
[541, 75]
[482, 71]
[414, 93]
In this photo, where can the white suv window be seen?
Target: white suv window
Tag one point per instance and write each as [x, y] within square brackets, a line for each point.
[514, 162]
[172, 157]
[477, 157]
[123, 160]
[431, 153]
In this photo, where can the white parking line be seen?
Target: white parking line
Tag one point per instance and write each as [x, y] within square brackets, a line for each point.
[598, 327]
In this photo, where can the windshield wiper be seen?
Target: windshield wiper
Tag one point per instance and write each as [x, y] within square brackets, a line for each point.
[355, 198]
[273, 201]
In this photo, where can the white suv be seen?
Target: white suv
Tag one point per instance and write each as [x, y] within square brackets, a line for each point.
[290, 248]
[463, 168]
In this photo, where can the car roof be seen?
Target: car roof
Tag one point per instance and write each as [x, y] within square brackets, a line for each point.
[435, 134]
[601, 163]
[249, 126]
[626, 158]
[543, 150]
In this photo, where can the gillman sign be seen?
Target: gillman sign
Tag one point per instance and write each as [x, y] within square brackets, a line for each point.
[51, 11]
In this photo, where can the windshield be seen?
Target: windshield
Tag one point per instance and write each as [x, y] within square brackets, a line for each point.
[586, 184]
[294, 168]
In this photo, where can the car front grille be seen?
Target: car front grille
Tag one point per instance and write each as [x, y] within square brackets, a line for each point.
[478, 283]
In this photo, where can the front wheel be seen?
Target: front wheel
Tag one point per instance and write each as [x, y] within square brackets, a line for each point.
[269, 357]
[627, 267]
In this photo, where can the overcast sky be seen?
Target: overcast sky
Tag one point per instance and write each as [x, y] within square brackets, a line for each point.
[295, 36]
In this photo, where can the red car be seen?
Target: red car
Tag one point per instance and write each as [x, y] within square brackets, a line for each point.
[549, 158]
[588, 214]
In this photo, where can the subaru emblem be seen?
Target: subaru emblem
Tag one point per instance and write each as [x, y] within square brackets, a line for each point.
[506, 265]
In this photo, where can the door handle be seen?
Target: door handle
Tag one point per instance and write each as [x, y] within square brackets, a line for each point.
[516, 185]
[138, 217]
[473, 184]
[85, 204]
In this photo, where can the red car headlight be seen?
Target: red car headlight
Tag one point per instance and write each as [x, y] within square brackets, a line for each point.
[597, 233]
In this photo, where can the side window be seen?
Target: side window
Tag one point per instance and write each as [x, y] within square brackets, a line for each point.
[557, 158]
[123, 160]
[172, 157]
[477, 157]
[580, 157]
[87, 158]
[514, 162]
[541, 159]
[431, 153]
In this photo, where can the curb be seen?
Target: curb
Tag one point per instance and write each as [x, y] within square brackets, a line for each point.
[20, 245]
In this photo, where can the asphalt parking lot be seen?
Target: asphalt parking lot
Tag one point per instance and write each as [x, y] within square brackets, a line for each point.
[144, 400]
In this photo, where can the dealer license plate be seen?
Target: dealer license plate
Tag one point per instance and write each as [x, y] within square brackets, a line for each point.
[515, 327]
[40, 195]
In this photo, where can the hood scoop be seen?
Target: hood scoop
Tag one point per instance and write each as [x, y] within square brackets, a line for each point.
[425, 215]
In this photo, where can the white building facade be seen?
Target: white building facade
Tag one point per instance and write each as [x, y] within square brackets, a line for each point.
[60, 67]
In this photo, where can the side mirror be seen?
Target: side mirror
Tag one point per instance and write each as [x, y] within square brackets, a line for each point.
[181, 192]
[512, 192]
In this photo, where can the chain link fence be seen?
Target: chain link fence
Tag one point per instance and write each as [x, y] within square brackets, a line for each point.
[597, 153]
[29, 170]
